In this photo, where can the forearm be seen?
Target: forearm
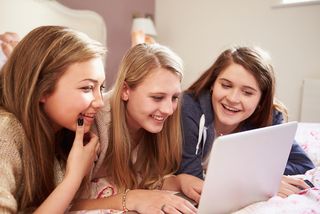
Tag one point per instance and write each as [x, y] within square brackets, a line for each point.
[298, 161]
[59, 200]
[171, 183]
[111, 202]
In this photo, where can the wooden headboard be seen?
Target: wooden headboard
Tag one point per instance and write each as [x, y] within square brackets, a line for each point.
[22, 16]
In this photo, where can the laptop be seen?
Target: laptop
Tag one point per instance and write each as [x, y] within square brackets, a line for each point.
[245, 168]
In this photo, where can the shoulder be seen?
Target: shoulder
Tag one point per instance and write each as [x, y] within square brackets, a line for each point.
[103, 116]
[11, 139]
[190, 103]
[101, 127]
[190, 107]
[277, 117]
[189, 98]
[11, 129]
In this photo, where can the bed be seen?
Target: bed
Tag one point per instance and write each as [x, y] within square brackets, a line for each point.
[23, 16]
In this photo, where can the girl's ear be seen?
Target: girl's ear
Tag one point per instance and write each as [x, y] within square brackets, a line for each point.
[43, 99]
[125, 92]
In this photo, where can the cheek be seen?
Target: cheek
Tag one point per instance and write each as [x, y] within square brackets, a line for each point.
[215, 97]
[217, 93]
[82, 100]
[252, 105]
[174, 107]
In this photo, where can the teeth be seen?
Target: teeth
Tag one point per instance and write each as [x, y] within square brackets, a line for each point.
[88, 115]
[157, 117]
[230, 109]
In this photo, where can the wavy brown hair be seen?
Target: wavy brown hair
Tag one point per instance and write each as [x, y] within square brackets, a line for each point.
[159, 154]
[31, 72]
[257, 62]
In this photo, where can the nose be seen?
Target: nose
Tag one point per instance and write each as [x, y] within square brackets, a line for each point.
[167, 107]
[234, 96]
[98, 101]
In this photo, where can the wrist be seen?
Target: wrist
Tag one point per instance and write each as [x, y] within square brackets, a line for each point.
[172, 183]
[129, 201]
[74, 181]
[124, 201]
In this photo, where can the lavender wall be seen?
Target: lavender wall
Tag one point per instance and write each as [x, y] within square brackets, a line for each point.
[118, 18]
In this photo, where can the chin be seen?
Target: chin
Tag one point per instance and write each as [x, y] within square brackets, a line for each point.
[155, 130]
[229, 122]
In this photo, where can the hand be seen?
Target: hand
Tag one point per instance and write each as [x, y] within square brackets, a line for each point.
[81, 158]
[191, 186]
[139, 37]
[291, 185]
[9, 40]
[158, 201]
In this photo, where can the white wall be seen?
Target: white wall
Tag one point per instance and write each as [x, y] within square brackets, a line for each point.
[199, 30]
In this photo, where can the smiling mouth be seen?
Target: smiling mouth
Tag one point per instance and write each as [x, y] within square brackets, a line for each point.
[230, 108]
[87, 115]
[158, 118]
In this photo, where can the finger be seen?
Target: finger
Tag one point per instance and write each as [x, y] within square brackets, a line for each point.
[194, 195]
[9, 37]
[7, 49]
[93, 140]
[281, 195]
[298, 183]
[302, 185]
[170, 209]
[191, 207]
[14, 36]
[14, 44]
[79, 131]
[184, 206]
[289, 190]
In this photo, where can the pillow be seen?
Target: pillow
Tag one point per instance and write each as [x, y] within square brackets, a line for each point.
[308, 137]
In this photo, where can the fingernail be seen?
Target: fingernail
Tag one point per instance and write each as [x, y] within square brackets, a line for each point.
[80, 121]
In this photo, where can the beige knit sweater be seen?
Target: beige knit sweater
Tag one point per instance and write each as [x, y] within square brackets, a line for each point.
[11, 139]
[11, 175]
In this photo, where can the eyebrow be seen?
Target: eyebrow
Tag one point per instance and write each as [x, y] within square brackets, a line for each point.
[162, 93]
[245, 86]
[91, 80]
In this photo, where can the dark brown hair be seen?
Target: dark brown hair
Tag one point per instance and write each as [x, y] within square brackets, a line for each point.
[256, 61]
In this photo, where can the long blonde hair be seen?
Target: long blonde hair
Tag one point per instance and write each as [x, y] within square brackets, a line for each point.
[32, 71]
[159, 154]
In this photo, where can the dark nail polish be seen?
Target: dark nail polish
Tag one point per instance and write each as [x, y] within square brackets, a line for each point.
[80, 121]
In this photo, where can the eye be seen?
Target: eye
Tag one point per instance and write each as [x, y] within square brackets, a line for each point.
[224, 85]
[102, 88]
[88, 88]
[175, 98]
[157, 98]
[248, 93]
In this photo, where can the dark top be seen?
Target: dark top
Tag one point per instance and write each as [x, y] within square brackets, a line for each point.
[192, 109]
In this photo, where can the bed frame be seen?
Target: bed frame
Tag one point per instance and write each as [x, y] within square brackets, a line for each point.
[22, 16]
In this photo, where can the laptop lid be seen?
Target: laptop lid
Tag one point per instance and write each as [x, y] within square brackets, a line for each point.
[246, 167]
